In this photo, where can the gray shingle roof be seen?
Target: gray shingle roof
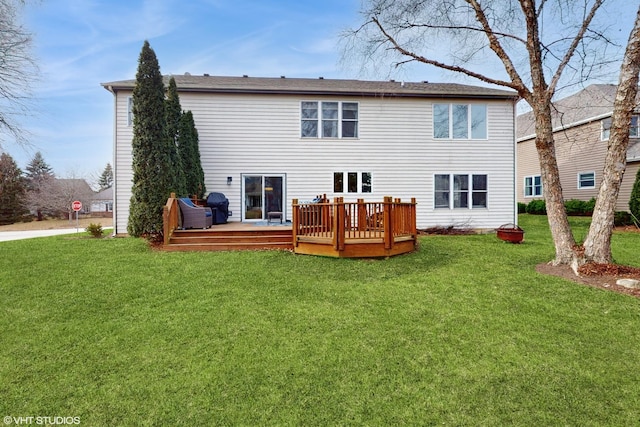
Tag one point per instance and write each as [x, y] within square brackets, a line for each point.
[320, 86]
[593, 102]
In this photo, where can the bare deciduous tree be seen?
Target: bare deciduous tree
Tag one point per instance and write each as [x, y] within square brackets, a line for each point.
[18, 70]
[562, 46]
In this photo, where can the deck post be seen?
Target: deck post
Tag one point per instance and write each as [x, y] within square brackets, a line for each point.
[295, 221]
[169, 218]
[362, 215]
[388, 223]
[338, 224]
[413, 219]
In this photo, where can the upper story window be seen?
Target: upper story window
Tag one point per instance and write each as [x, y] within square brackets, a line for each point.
[634, 128]
[533, 186]
[587, 180]
[460, 121]
[328, 119]
[355, 182]
[453, 191]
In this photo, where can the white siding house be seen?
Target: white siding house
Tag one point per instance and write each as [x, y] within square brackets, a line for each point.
[264, 141]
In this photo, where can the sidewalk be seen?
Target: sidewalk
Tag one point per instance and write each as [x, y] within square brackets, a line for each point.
[19, 235]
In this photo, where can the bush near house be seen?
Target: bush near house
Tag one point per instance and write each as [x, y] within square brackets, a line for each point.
[574, 207]
[536, 207]
[522, 208]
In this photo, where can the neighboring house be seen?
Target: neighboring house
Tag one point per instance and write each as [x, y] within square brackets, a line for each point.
[65, 191]
[267, 141]
[581, 125]
[102, 202]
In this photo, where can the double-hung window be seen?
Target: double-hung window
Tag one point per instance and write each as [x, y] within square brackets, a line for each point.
[533, 186]
[634, 131]
[328, 119]
[634, 128]
[356, 182]
[586, 180]
[460, 121]
[460, 191]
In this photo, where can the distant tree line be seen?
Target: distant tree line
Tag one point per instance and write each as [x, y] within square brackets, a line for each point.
[165, 151]
[36, 192]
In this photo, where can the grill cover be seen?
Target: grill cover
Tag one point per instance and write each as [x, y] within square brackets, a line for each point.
[219, 205]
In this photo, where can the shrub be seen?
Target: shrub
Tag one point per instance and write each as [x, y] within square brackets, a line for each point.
[522, 207]
[622, 218]
[537, 207]
[576, 207]
[95, 230]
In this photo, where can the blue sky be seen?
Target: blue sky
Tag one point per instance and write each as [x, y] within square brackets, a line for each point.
[79, 44]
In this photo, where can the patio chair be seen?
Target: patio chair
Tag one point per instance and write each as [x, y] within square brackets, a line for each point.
[194, 216]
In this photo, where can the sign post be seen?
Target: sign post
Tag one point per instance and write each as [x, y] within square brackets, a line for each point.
[76, 206]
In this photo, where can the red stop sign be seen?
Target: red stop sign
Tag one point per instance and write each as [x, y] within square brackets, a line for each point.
[76, 205]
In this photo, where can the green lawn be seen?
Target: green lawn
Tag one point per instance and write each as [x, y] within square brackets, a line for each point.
[462, 332]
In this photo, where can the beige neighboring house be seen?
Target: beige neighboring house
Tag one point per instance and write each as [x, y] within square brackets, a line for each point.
[581, 124]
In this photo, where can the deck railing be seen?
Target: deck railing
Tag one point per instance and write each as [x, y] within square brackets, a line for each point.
[170, 217]
[339, 222]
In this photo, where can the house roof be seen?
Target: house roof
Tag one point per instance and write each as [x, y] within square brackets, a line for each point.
[76, 183]
[106, 194]
[321, 86]
[592, 103]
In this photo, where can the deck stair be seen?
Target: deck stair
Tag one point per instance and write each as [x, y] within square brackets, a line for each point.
[226, 239]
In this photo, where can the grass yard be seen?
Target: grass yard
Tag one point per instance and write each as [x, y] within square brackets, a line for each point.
[462, 332]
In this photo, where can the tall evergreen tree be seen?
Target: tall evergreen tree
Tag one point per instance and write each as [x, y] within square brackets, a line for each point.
[173, 112]
[188, 146]
[12, 191]
[38, 170]
[151, 149]
[106, 179]
[40, 177]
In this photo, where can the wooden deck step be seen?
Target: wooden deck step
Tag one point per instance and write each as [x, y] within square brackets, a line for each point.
[226, 240]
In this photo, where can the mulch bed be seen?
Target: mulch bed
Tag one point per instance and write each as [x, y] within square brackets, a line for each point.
[603, 276]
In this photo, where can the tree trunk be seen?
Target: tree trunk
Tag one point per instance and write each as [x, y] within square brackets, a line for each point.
[556, 214]
[597, 245]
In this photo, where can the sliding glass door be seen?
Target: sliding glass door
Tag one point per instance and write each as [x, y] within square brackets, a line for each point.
[262, 194]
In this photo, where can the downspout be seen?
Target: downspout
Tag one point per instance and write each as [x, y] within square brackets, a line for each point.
[114, 212]
[515, 162]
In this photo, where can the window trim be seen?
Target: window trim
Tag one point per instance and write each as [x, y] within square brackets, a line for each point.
[469, 121]
[360, 184]
[470, 191]
[533, 186]
[580, 180]
[605, 127]
[340, 120]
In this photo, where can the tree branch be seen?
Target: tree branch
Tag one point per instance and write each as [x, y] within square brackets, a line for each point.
[577, 39]
[455, 68]
[494, 44]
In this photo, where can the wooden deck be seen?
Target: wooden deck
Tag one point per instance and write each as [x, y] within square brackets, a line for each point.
[335, 229]
[354, 230]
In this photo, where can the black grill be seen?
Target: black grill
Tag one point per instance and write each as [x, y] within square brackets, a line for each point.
[219, 205]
